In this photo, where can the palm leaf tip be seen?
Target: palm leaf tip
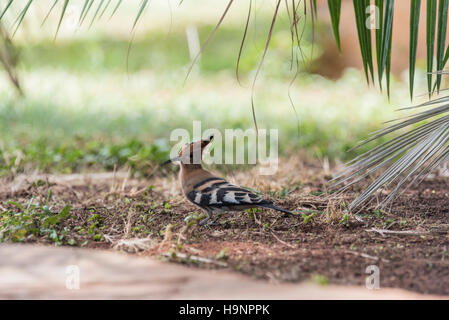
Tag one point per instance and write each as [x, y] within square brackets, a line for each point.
[140, 12]
[335, 12]
[415, 8]
[431, 13]
[64, 8]
[441, 38]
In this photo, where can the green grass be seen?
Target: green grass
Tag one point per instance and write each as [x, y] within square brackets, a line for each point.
[32, 221]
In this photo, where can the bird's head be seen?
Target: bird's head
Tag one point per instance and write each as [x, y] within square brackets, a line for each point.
[191, 153]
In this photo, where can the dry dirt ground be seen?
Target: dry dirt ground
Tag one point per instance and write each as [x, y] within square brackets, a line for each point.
[408, 242]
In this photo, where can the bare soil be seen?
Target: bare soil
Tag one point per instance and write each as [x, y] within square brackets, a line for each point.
[324, 243]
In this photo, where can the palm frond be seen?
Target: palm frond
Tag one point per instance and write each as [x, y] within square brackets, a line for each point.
[49, 12]
[6, 8]
[119, 2]
[335, 12]
[405, 159]
[364, 36]
[142, 7]
[441, 37]
[21, 16]
[430, 40]
[415, 9]
[86, 8]
[436, 25]
[64, 8]
[100, 5]
[379, 22]
[104, 9]
[385, 49]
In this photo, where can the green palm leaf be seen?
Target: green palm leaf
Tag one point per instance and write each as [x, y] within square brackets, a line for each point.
[335, 11]
[6, 8]
[64, 8]
[86, 8]
[415, 7]
[441, 38]
[385, 50]
[104, 9]
[96, 13]
[379, 21]
[21, 16]
[430, 40]
[119, 2]
[364, 36]
[142, 7]
[49, 12]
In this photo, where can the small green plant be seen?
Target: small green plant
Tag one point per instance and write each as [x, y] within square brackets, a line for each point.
[222, 254]
[307, 218]
[38, 183]
[167, 205]
[388, 223]
[320, 279]
[33, 221]
[252, 211]
[95, 225]
[97, 237]
[284, 192]
[194, 218]
[345, 220]
[378, 213]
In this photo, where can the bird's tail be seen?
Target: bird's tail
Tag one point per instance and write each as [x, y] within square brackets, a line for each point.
[272, 206]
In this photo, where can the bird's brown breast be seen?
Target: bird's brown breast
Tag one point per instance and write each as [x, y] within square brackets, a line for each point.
[194, 178]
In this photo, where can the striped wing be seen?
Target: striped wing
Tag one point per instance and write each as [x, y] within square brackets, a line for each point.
[216, 192]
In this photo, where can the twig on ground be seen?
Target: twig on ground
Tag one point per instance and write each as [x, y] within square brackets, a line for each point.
[382, 232]
[125, 181]
[367, 256]
[137, 193]
[186, 257]
[128, 222]
[135, 244]
[109, 238]
[281, 241]
[168, 237]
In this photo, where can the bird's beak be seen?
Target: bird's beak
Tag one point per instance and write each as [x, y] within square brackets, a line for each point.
[170, 161]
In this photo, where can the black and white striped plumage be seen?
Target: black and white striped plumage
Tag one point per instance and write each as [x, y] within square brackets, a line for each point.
[213, 194]
[216, 195]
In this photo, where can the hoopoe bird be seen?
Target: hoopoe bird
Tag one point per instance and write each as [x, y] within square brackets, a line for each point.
[211, 193]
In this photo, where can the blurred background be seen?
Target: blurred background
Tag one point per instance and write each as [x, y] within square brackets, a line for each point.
[101, 96]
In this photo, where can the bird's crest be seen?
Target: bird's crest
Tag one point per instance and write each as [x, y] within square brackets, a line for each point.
[192, 152]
